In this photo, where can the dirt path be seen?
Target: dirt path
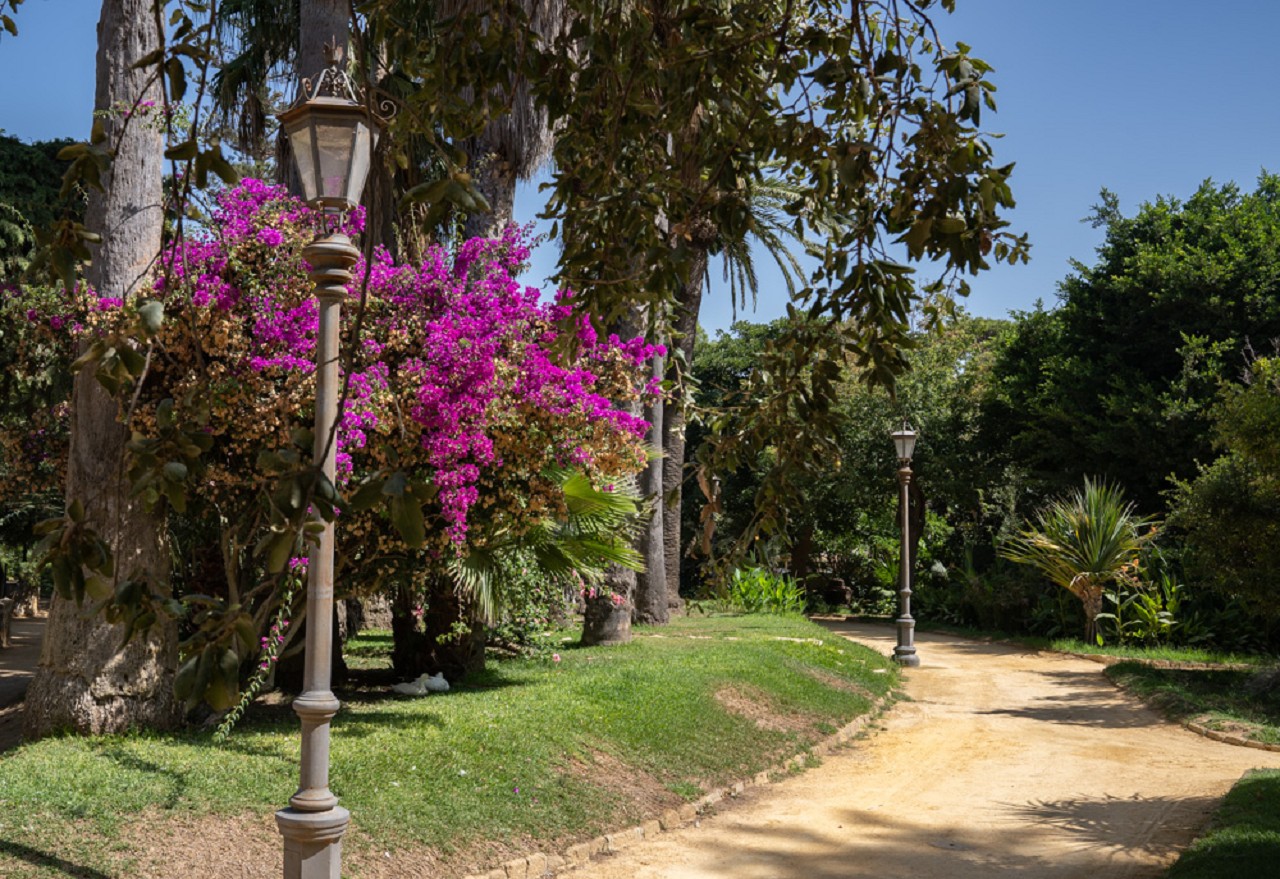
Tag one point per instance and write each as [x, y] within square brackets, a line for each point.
[17, 666]
[1004, 762]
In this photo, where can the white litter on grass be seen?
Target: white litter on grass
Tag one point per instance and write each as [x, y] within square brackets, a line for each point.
[423, 685]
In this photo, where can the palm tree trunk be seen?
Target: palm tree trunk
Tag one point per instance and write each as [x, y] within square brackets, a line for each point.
[651, 583]
[496, 179]
[673, 422]
[1091, 599]
[86, 682]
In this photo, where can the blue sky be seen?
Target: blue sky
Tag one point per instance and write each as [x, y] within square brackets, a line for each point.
[1144, 97]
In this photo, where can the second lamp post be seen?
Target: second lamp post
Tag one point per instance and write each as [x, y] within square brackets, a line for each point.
[905, 653]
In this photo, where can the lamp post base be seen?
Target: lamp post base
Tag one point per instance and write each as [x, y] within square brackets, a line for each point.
[313, 842]
[905, 652]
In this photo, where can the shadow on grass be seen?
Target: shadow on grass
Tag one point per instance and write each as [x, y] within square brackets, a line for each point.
[37, 858]
[366, 723]
[177, 780]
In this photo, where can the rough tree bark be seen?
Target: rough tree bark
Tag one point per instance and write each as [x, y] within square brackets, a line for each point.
[85, 681]
[685, 329]
[321, 22]
[651, 583]
[452, 637]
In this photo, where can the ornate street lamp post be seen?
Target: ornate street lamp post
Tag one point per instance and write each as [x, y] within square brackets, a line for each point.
[905, 653]
[332, 135]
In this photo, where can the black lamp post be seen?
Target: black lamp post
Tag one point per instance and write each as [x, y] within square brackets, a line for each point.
[904, 442]
[332, 134]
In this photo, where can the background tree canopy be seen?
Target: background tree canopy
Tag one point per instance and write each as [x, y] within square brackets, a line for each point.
[1119, 380]
[30, 177]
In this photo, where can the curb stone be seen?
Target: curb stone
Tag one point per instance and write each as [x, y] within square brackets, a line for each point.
[538, 865]
[1227, 738]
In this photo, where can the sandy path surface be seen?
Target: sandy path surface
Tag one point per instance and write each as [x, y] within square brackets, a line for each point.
[1004, 762]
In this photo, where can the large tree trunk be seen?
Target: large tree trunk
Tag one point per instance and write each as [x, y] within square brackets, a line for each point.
[321, 22]
[1091, 600]
[86, 681]
[514, 145]
[495, 177]
[673, 423]
[651, 583]
[454, 630]
[450, 639]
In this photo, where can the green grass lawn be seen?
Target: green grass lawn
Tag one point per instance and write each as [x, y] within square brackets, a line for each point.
[1244, 702]
[1244, 840]
[1159, 653]
[530, 750]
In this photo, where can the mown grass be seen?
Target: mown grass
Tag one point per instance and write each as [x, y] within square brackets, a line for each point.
[1244, 838]
[1160, 653]
[1242, 701]
[528, 750]
[1157, 652]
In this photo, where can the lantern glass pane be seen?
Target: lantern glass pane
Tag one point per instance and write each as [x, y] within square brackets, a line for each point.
[333, 145]
[301, 141]
[905, 442]
[361, 149]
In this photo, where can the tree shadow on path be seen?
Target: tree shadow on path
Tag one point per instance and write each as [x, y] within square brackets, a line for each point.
[1067, 839]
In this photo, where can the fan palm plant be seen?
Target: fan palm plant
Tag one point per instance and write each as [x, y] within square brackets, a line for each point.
[1083, 542]
[595, 532]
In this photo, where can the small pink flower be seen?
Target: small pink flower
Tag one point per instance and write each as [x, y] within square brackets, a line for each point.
[555, 657]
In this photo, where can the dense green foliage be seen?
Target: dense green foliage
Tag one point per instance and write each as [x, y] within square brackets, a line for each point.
[1145, 370]
[1119, 381]
[30, 177]
[1230, 512]
[759, 590]
[530, 748]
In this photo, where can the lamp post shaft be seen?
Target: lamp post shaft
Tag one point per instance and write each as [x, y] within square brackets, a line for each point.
[314, 823]
[905, 652]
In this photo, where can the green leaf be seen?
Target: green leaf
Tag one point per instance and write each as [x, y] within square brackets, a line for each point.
[366, 496]
[177, 79]
[183, 151]
[281, 551]
[406, 516]
[223, 168]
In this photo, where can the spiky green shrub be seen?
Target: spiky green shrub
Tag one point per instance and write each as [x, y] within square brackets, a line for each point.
[1084, 542]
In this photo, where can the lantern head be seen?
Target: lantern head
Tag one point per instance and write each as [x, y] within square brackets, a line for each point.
[332, 134]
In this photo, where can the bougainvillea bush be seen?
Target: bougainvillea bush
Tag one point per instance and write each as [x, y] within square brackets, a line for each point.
[460, 419]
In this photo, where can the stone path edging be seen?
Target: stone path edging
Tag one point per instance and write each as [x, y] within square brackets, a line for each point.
[538, 865]
[1227, 738]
